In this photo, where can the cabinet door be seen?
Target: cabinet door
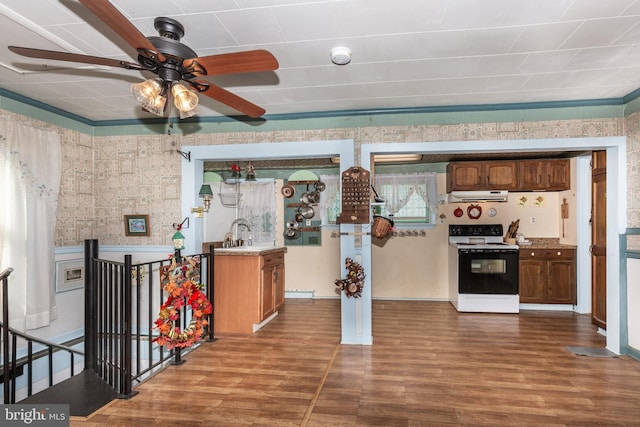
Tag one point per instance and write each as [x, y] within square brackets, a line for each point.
[500, 175]
[561, 282]
[558, 177]
[266, 289]
[532, 281]
[278, 286]
[465, 176]
[530, 175]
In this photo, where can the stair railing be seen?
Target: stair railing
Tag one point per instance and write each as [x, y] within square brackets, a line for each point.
[11, 364]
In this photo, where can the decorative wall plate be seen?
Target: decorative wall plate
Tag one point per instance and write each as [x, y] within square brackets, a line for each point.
[492, 212]
[458, 212]
[288, 190]
[474, 211]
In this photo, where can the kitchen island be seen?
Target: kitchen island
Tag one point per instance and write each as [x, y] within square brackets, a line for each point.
[248, 288]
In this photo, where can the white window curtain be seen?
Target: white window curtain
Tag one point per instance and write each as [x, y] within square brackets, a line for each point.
[30, 168]
[258, 207]
[329, 204]
[396, 189]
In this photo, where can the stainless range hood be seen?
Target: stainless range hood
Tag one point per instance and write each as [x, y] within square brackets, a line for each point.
[478, 196]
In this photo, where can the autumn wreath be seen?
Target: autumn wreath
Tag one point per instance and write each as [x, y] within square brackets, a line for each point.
[354, 282]
[181, 283]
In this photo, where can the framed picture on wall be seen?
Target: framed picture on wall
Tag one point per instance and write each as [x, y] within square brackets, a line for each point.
[136, 225]
[69, 275]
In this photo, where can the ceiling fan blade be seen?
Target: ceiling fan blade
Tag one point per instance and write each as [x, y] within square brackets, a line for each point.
[73, 57]
[121, 25]
[233, 101]
[237, 62]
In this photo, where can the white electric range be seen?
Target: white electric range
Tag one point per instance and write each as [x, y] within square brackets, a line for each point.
[483, 270]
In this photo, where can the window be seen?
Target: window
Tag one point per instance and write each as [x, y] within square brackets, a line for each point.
[410, 198]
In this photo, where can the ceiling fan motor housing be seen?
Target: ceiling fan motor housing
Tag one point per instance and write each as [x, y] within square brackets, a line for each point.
[168, 28]
[171, 31]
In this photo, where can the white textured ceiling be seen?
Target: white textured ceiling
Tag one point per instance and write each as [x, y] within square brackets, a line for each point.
[406, 53]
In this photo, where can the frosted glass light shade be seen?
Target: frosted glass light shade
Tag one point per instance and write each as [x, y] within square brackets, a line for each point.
[185, 100]
[147, 90]
[155, 105]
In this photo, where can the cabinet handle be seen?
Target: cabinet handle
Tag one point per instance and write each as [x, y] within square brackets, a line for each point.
[533, 254]
[559, 253]
[275, 275]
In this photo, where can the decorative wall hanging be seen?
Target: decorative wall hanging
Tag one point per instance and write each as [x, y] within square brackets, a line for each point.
[356, 196]
[474, 211]
[354, 282]
[182, 284]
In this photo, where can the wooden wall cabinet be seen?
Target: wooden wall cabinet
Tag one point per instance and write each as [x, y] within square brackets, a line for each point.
[547, 276]
[510, 175]
[482, 175]
[248, 288]
[544, 175]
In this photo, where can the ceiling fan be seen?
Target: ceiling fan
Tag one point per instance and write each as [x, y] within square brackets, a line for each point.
[172, 61]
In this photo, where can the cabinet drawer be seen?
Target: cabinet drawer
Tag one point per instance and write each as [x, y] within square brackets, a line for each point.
[547, 254]
[273, 259]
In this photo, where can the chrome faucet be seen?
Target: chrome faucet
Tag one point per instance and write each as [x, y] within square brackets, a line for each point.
[237, 223]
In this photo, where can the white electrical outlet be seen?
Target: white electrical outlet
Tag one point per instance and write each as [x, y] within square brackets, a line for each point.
[533, 220]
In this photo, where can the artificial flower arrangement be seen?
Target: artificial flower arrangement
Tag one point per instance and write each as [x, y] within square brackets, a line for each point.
[181, 283]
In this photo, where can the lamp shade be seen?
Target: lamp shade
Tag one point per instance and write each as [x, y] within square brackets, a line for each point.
[147, 90]
[155, 105]
[205, 191]
[178, 240]
[185, 100]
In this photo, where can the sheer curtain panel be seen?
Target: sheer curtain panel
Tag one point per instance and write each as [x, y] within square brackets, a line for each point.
[30, 167]
[258, 207]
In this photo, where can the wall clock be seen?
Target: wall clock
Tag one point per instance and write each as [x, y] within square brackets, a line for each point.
[474, 211]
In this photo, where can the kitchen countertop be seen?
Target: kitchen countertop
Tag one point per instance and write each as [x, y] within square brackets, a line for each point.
[249, 250]
[546, 243]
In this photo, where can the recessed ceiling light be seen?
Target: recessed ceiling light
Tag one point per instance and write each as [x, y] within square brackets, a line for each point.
[341, 55]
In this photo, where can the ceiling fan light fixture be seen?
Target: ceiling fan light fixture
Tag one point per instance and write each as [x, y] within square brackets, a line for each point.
[185, 100]
[155, 105]
[147, 90]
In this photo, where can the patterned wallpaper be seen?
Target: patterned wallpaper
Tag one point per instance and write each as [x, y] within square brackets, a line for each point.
[105, 178]
[633, 177]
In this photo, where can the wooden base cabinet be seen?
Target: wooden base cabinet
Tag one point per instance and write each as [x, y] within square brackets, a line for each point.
[248, 288]
[548, 276]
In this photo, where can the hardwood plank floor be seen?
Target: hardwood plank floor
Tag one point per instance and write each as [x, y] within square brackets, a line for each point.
[428, 366]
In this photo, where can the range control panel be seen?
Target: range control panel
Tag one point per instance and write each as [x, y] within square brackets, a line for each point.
[475, 230]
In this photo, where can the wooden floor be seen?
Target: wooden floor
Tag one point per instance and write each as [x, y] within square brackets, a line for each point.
[428, 366]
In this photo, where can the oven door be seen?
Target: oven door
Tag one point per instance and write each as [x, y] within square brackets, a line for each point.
[488, 271]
